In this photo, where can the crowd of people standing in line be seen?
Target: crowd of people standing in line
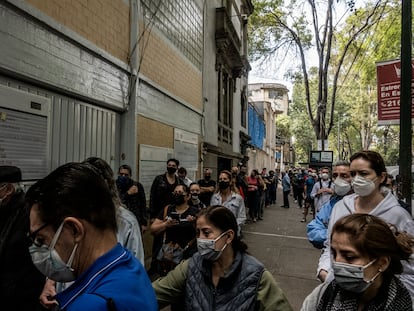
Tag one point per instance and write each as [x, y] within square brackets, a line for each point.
[82, 229]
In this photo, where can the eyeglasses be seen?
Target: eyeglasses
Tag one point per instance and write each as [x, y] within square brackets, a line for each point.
[32, 237]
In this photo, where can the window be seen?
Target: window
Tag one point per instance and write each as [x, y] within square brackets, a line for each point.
[225, 105]
[181, 22]
[275, 94]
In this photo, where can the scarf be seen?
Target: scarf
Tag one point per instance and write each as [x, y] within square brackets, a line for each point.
[392, 296]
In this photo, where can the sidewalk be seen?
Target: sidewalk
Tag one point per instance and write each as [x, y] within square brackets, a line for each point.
[279, 242]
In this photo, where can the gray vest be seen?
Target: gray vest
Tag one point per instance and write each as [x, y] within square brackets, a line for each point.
[237, 290]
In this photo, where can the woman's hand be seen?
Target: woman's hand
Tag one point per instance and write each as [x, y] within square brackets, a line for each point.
[169, 222]
[190, 218]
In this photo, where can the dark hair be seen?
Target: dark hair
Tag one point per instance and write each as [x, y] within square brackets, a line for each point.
[374, 238]
[182, 170]
[376, 162]
[224, 219]
[193, 183]
[174, 160]
[186, 189]
[107, 174]
[74, 189]
[125, 167]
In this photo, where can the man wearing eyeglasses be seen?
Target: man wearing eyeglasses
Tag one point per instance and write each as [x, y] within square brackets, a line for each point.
[73, 233]
[20, 281]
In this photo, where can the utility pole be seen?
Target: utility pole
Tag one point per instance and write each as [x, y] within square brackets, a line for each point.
[406, 101]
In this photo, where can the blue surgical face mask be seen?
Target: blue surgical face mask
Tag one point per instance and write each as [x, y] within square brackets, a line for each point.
[351, 277]
[48, 261]
[207, 248]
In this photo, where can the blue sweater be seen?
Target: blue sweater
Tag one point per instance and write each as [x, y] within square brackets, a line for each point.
[317, 229]
[116, 275]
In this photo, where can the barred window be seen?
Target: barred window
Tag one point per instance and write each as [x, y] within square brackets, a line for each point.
[181, 22]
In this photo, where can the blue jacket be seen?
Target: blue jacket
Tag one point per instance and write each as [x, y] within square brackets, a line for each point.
[317, 229]
[117, 276]
[286, 183]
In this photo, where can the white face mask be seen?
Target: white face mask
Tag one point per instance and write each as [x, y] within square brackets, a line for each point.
[48, 261]
[342, 187]
[324, 176]
[207, 248]
[351, 277]
[363, 186]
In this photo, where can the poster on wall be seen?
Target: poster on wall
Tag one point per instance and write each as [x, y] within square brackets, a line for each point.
[186, 151]
[388, 91]
[152, 162]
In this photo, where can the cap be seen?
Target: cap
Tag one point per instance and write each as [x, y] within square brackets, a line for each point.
[10, 174]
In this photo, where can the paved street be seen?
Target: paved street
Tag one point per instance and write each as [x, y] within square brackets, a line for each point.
[279, 241]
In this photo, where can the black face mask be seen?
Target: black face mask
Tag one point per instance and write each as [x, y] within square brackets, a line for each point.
[207, 178]
[179, 199]
[171, 170]
[223, 185]
[124, 183]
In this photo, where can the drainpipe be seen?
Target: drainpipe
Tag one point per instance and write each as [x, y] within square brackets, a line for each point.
[128, 146]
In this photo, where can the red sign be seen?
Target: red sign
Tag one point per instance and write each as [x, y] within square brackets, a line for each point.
[388, 90]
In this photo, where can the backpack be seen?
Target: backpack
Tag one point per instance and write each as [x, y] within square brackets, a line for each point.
[329, 186]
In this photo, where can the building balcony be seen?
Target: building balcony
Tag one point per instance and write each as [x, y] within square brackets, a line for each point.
[228, 43]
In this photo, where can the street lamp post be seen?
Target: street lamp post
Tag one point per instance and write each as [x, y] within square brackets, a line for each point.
[339, 137]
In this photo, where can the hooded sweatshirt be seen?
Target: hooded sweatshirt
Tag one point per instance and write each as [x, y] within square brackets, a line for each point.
[391, 212]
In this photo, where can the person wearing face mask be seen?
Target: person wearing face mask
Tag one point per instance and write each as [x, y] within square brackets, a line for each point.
[317, 228]
[175, 224]
[368, 175]
[195, 197]
[322, 189]
[132, 195]
[207, 187]
[367, 255]
[227, 195]
[20, 282]
[128, 233]
[161, 194]
[215, 274]
[73, 238]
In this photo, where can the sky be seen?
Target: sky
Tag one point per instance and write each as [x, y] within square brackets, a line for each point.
[275, 70]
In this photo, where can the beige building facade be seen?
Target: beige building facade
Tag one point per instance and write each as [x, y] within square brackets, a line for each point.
[269, 100]
[134, 82]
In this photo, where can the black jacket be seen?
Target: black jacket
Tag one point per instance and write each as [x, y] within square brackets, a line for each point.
[136, 203]
[20, 281]
[161, 194]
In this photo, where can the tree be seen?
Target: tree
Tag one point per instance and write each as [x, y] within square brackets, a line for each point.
[277, 28]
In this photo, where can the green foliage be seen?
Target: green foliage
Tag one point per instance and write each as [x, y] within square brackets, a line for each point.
[291, 28]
